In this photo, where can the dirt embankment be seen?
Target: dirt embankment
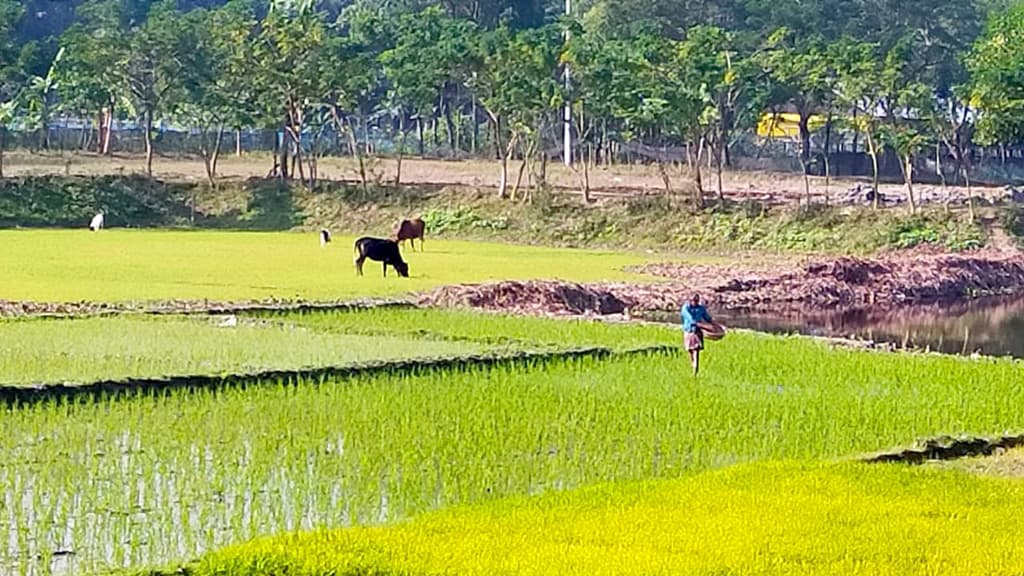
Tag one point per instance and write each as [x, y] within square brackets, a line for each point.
[885, 283]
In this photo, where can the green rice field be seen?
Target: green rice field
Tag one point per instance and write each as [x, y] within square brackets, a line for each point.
[91, 349]
[121, 265]
[621, 464]
[157, 480]
[764, 518]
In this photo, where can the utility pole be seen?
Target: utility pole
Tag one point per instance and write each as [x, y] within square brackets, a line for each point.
[567, 113]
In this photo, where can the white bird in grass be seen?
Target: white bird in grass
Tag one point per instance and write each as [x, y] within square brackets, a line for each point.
[229, 322]
[97, 222]
[325, 237]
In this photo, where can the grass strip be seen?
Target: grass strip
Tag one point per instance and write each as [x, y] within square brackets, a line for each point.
[22, 396]
[36, 353]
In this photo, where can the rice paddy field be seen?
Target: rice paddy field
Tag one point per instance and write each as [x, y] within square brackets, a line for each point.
[429, 460]
[612, 463]
[122, 265]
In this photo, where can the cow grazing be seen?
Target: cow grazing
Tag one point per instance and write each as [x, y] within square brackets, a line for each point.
[97, 222]
[325, 237]
[380, 250]
[410, 230]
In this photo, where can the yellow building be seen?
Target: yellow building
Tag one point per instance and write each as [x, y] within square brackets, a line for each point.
[786, 125]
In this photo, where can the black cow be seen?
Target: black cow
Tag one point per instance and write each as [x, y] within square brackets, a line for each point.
[380, 250]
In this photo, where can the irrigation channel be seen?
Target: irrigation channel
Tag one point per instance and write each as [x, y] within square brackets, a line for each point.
[990, 326]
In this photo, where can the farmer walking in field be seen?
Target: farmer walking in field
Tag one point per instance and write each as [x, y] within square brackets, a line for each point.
[696, 322]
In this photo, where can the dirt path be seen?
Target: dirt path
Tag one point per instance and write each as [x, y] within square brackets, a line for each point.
[605, 181]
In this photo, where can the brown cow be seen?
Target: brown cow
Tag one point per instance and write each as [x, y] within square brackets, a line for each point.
[410, 230]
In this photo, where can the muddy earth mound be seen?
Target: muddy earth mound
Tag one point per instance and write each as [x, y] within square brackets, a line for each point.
[884, 284]
[531, 297]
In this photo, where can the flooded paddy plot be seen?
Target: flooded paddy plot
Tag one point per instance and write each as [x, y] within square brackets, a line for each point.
[150, 480]
[90, 349]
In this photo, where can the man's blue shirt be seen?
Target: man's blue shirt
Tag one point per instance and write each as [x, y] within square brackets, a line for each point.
[692, 315]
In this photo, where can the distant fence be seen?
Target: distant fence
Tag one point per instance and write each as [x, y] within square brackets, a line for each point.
[848, 159]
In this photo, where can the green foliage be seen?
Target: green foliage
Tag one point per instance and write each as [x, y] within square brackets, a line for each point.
[72, 202]
[936, 230]
[1013, 221]
[997, 68]
[460, 219]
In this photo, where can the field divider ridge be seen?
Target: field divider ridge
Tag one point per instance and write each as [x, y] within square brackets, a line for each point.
[948, 449]
[66, 310]
[25, 395]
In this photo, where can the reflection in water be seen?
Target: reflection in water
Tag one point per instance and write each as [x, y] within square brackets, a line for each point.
[993, 326]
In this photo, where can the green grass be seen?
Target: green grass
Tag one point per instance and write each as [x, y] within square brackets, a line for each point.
[167, 478]
[120, 265]
[774, 518]
[485, 328]
[91, 349]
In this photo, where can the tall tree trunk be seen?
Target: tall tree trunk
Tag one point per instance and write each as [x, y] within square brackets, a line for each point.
[908, 179]
[873, 152]
[805, 137]
[419, 127]
[828, 146]
[451, 127]
[238, 142]
[101, 125]
[211, 154]
[697, 176]
[148, 137]
[719, 149]
[349, 130]
[503, 154]
[283, 154]
[401, 149]
[970, 195]
[108, 126]
[476, 129]
[522, 167]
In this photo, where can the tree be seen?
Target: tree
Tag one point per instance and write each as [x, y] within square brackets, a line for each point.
[996, 66]
[215, 78]
[39, 99]
[907, 106]
[859, 89]
[516, 82]
[10, 75]
[150, 66]
[352, 79]
[801, 74]
[288, 56]
[423, 63]
[87, 85]
[728, 83]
